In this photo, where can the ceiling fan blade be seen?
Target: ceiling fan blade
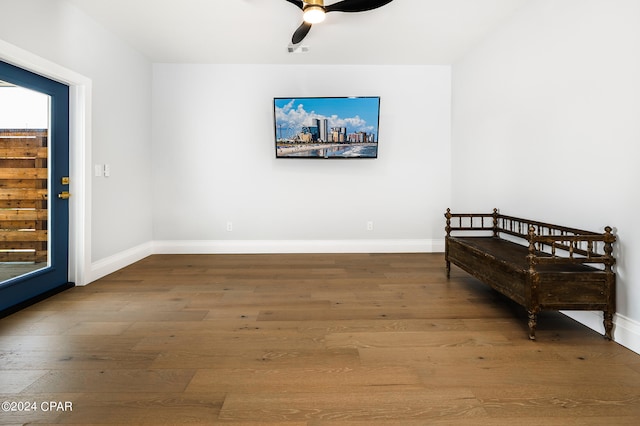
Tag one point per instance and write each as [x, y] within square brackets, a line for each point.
[301, 33]
[298, 3]
[356, 5]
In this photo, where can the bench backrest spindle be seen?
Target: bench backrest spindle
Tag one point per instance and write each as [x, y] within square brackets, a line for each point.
[531, 257]
[448, 227]
[609, 239]
[548, 243]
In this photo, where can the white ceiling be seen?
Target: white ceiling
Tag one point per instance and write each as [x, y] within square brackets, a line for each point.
[259, 31]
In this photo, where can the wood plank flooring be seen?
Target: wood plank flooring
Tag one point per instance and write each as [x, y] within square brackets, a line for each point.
[346, 339]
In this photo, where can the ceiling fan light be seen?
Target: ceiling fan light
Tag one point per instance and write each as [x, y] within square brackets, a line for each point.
[313, 14]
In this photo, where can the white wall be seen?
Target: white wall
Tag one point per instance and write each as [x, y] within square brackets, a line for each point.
[214, 160]
[121, 113]
[546, 126]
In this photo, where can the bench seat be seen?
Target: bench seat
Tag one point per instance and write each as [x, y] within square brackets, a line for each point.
[534, 278]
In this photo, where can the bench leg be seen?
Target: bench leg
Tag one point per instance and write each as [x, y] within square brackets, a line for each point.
[533, 322]
[608, 325]
[448, 269]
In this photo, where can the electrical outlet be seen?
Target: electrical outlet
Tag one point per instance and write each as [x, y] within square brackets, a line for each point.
[229, 226]
[370, 225]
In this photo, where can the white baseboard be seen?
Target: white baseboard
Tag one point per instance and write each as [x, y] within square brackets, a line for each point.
[108, 265]
[625, 330]
[298, 246]
[118, 261]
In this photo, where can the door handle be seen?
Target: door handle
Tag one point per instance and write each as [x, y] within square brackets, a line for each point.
[64, 195]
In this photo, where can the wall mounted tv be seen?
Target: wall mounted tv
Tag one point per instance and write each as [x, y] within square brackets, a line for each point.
[326, 127]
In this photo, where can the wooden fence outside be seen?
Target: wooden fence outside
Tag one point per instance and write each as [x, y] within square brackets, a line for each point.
[23, 195]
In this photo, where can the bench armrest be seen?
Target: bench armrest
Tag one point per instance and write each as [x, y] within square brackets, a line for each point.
[565, 247]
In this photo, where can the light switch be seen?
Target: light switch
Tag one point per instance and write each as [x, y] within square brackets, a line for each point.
[97, 170]
[107, 170]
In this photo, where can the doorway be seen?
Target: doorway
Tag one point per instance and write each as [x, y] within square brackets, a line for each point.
[34, 170]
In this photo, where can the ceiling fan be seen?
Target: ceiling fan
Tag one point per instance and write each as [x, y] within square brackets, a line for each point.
[314, 11]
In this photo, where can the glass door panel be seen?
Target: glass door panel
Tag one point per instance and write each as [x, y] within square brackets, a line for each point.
[24, 175]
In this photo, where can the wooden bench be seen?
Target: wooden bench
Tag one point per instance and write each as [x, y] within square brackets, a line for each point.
[538, 265]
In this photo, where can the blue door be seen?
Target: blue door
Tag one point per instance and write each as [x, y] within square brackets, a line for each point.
[34, 170]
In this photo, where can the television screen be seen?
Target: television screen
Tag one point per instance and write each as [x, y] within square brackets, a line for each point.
[329, 127]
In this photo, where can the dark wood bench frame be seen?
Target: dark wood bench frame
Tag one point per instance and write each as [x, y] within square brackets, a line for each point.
[538, 265]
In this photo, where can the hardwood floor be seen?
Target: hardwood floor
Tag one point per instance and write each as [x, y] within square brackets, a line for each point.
[314, 340]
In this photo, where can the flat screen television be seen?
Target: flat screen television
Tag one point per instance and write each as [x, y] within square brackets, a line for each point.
[326, 127]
